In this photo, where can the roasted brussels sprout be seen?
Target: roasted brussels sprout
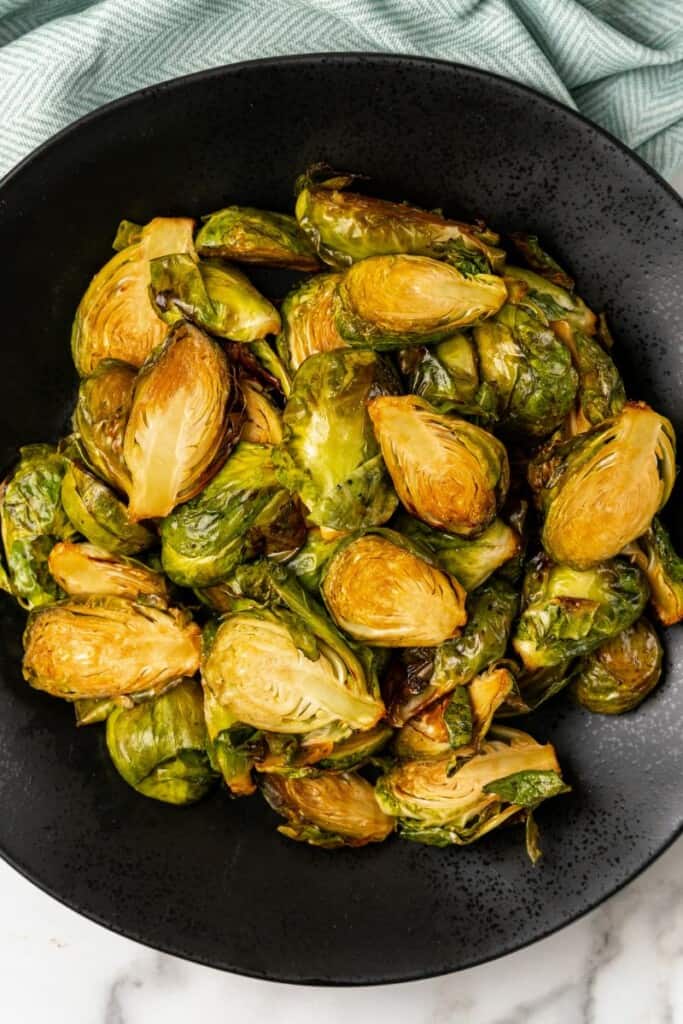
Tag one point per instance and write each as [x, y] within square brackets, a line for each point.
[115, 319]
[269, 671]
[528, 370]
[600, 490]
[246, 235]
[204, 539]
[82, 569]
[355, 751]
[263, 423]
[540, 261]
[388, 302]
[159, 747]
[447, 376]
[601, 393]
[450, 473]
[99, 515]
[107, 646]
[329, 809]
[567, 612]
[345, 226]
[32, 518]
[555, 302]
[381, 592]
[470, 560]
[308, 321]
[100, 418]
[620, 673]
[232, 747]
[329, 455]
[187, 413]
[655, 555]
[460, 719]
[510, 776]
[213, 295]
[419, 677]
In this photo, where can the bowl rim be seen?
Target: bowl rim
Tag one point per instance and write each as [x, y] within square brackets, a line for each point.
[300, 60]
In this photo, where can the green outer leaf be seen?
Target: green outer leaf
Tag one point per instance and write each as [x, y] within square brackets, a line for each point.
[540, 261]
[91, 710]
[246, 234]
[458, 718]
[127, 233]
[357, 749]
[159, 747]
[99, 515]
[528, 789]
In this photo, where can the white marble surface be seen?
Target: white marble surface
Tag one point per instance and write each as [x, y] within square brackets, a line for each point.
[621, 964]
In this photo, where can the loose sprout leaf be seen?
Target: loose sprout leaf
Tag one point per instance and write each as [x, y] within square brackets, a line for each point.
[458, 717]
[248, 235]
[528, 788]
[540, 261]
[656, 556]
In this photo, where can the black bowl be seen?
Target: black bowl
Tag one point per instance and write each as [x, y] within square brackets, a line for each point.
[215, 882]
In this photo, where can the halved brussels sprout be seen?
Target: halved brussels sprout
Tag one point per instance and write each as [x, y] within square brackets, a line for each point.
[308, 324]
[387, 302]
[355, 751]
[447, 376]
[346, 226]
[601, 489]
[263, 423]
[204, 539]
[187, 414]
[159, 748]
[32, 519]
[460, 719]
[247, 235]
[213, 295]
[620, 673]
[527, 369]
[232, 747]
[99, 515]
[540, 261]
[382, 593]
[82, 569]
[419, 677]
[470, 560]
[269, 671]
[107, 646]
[555, 302]
[100, 418]
[511, 776]
[328, 809]
[567, 612]
[656, 556]
[601, 393]
[115, 319]
[329, 455]
[450, 473]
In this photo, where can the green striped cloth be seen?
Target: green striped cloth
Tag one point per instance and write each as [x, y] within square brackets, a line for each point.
[618, 61]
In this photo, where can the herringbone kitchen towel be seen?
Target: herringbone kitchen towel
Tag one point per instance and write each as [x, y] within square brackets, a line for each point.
[618, 61]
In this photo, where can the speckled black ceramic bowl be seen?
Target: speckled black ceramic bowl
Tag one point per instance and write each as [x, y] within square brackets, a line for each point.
[215, 882]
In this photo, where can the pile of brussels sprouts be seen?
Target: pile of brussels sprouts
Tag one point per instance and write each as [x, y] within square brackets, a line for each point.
[328, 550]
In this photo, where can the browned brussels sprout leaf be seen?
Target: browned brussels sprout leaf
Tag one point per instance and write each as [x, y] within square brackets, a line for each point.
[381, 592]
[82, 569]
[601, 393]
[214, 295]
[553, 301]
[600, 490]
[159, 747]
[308, 321]
[329, 809]
[108, 646]
[448, 472]
[540, 261]
[357, 749]
[345, 226]
[115, 319]
[99, 515]
[389, 302]
[247, 235]
[187, 414]
[568, 612]
[233, 747]
[620, 673]
[104, 401]
[656, 556]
